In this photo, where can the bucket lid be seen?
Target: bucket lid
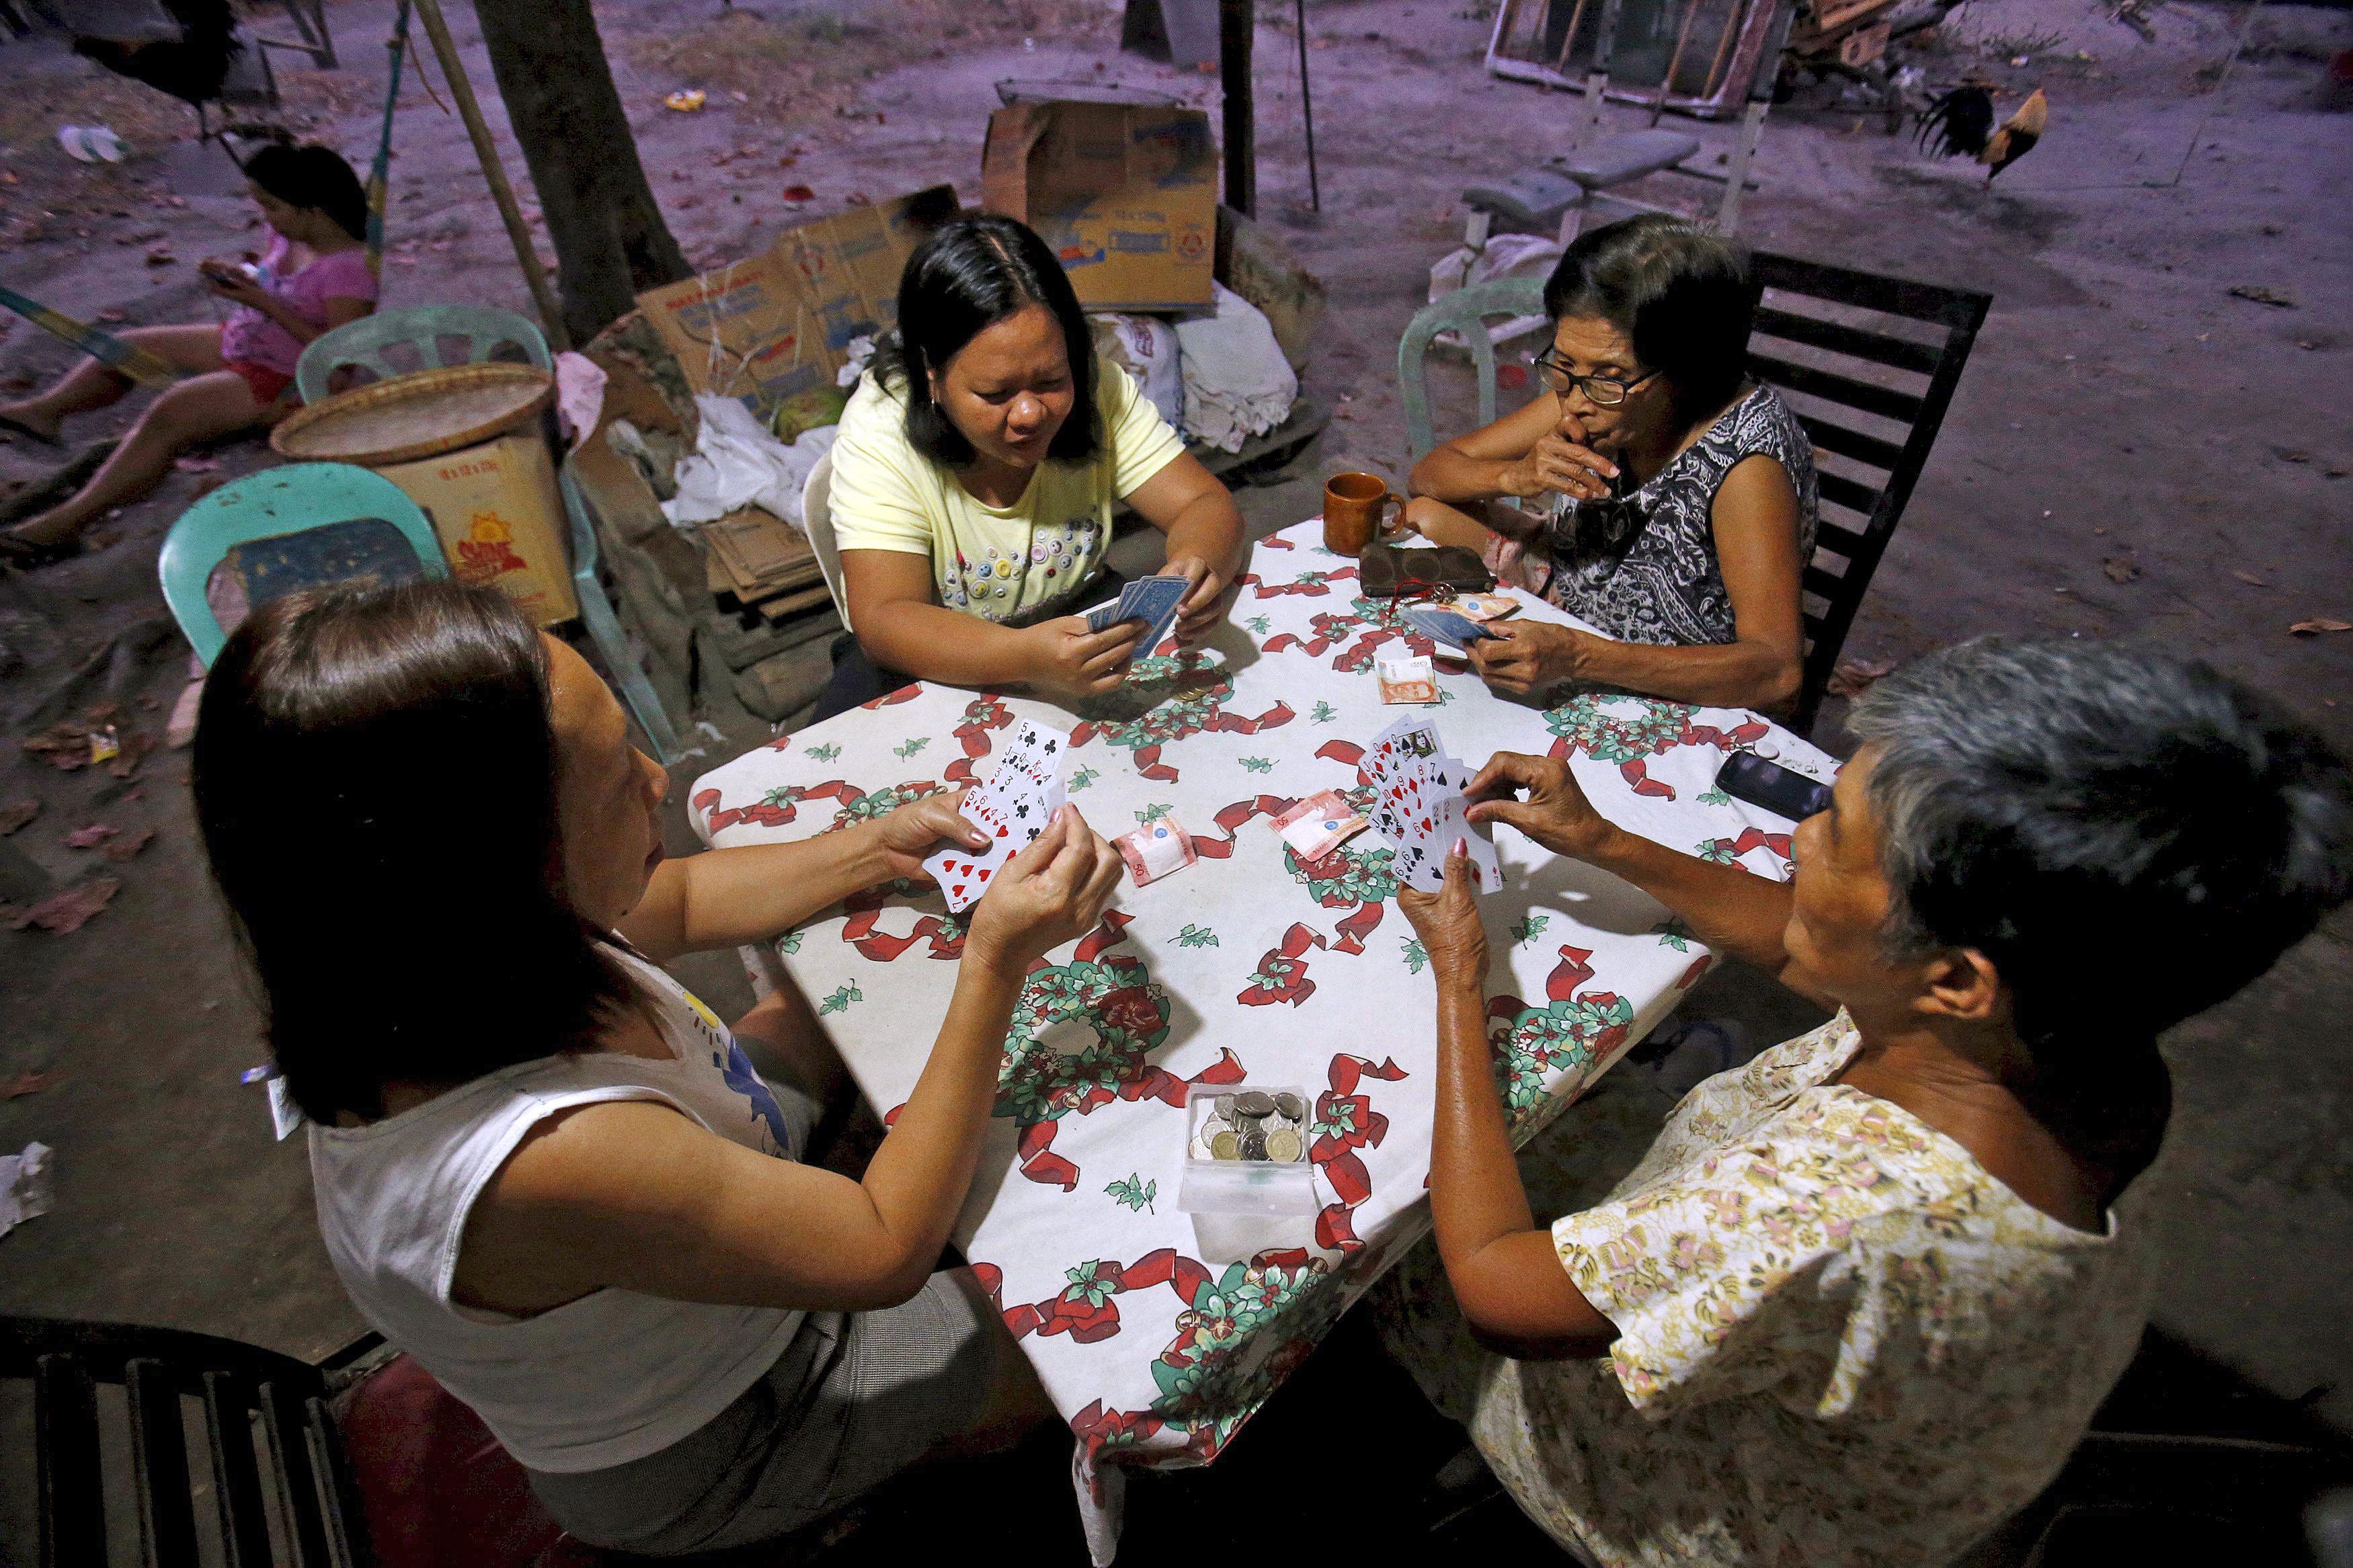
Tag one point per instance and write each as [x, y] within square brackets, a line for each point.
[420, 414]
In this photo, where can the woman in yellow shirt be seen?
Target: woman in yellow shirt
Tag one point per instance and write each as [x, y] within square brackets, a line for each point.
[975, 476]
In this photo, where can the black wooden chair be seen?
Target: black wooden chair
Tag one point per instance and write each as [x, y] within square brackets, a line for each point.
[279, 1490]
[1870, 362]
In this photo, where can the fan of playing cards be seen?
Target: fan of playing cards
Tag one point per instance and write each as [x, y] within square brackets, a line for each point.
[1419, 806]
[1013, 807]
[1155, 601]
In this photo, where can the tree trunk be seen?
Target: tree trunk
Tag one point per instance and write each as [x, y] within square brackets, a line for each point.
[611, 244]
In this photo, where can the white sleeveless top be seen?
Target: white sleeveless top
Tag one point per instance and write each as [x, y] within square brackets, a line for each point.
[612, 1376]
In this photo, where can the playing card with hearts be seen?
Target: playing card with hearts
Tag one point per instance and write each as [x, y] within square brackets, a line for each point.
[1013, 808]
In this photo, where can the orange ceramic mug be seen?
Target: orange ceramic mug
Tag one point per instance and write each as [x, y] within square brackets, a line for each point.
[1352, 509]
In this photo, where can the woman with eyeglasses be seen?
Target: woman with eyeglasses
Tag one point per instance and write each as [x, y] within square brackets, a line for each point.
[1662, 496]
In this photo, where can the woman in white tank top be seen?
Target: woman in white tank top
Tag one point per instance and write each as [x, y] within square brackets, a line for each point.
[544, 1170]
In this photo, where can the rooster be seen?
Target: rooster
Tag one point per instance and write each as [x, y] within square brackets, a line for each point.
[193, 68]
[1961, 123]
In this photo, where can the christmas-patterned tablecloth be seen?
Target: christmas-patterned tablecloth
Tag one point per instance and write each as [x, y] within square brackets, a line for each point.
[1158, 1338]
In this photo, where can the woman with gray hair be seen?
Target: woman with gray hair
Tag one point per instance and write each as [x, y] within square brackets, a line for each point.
[1860, 1298]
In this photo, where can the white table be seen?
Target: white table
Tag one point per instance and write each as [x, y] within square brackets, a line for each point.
[1158, 1338]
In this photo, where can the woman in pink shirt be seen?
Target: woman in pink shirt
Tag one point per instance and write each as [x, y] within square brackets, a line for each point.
[314, 277]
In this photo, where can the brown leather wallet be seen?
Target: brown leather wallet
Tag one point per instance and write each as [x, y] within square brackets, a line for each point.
[1386, 571]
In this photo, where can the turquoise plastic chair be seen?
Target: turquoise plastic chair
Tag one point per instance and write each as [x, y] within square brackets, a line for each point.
[485, 329]
[277, 503]
[1465, 312]
[482, 328]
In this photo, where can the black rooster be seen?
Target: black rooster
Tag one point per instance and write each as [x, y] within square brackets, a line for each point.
[1961, 123]
[193, 68]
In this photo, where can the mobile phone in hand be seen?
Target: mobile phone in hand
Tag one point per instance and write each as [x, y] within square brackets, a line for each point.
[1771, 787]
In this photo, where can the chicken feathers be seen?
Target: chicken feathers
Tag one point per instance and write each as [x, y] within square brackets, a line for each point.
[1960, 125]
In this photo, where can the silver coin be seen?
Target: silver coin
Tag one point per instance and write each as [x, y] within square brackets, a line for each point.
[1253, 1145]
[1225, 1106]
[1254, 1104]
[1211, 1127]
[1290, 1107]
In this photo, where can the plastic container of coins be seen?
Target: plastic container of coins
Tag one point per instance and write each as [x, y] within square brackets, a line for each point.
[1246, 1150]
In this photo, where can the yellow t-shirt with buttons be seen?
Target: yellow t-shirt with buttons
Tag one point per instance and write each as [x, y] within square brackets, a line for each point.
[1018, 563]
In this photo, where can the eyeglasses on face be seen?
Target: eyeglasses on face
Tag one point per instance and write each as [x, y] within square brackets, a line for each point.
[1601, 391]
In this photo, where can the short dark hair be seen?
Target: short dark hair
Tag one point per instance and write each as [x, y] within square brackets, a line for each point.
[376, 781]
[2128, 835]
[314, 177]
[970, 275]
[1680, 294]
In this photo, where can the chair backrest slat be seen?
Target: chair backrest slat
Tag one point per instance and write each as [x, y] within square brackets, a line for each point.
[236, 1477]
[1853, 494]
[1884, 401]
[159, 1465]
[65, 1440]
[1830, 436]
[1901, 354]
[289, 1462]
[1954, 316]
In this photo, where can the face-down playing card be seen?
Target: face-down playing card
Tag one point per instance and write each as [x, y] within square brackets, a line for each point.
[1155, 601]
[1442, 625]
[1013, 808]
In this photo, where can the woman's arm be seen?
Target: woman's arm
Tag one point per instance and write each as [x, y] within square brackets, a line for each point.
[1728, 908]
[902, 628]
[1754, 521]
[1491, 461]
[723, 897]
[1184, 501]
[1506, 1277]
[632, 1194]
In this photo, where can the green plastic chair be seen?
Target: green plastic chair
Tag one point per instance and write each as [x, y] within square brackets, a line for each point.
[277, 503]
[1464, 311]
[485, 329]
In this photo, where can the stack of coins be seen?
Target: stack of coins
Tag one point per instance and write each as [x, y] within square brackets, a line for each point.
[1254, 1125]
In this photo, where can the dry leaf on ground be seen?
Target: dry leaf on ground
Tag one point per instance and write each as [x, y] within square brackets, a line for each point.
[90, 837]
[15, 814]
[25, 1083]
[1854, 676]
[2319, 624]
[2251, 579]
[130, 844]
[2263, 296]
[68, 910]
[2121, 569]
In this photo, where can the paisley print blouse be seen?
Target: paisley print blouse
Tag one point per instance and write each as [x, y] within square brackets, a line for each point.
[1642, 567]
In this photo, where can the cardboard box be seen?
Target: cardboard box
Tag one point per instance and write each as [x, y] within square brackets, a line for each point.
[744, 330]
[500, 519]
[1126, 194]
[773, 328]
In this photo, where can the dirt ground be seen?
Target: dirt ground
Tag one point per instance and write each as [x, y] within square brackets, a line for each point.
[2133, 451]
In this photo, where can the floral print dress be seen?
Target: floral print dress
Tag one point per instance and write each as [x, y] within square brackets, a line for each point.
[1840, 1340]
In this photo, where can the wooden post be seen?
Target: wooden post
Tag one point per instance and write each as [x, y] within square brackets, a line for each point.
[1236, 21]
[551, 313]
[1307, 112]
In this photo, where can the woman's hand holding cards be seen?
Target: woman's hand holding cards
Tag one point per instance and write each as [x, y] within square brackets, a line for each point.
[1556, 812]
[1203, 604]
[918, 828]
[1448, 923]
[1068, 660]
[1054, 891]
